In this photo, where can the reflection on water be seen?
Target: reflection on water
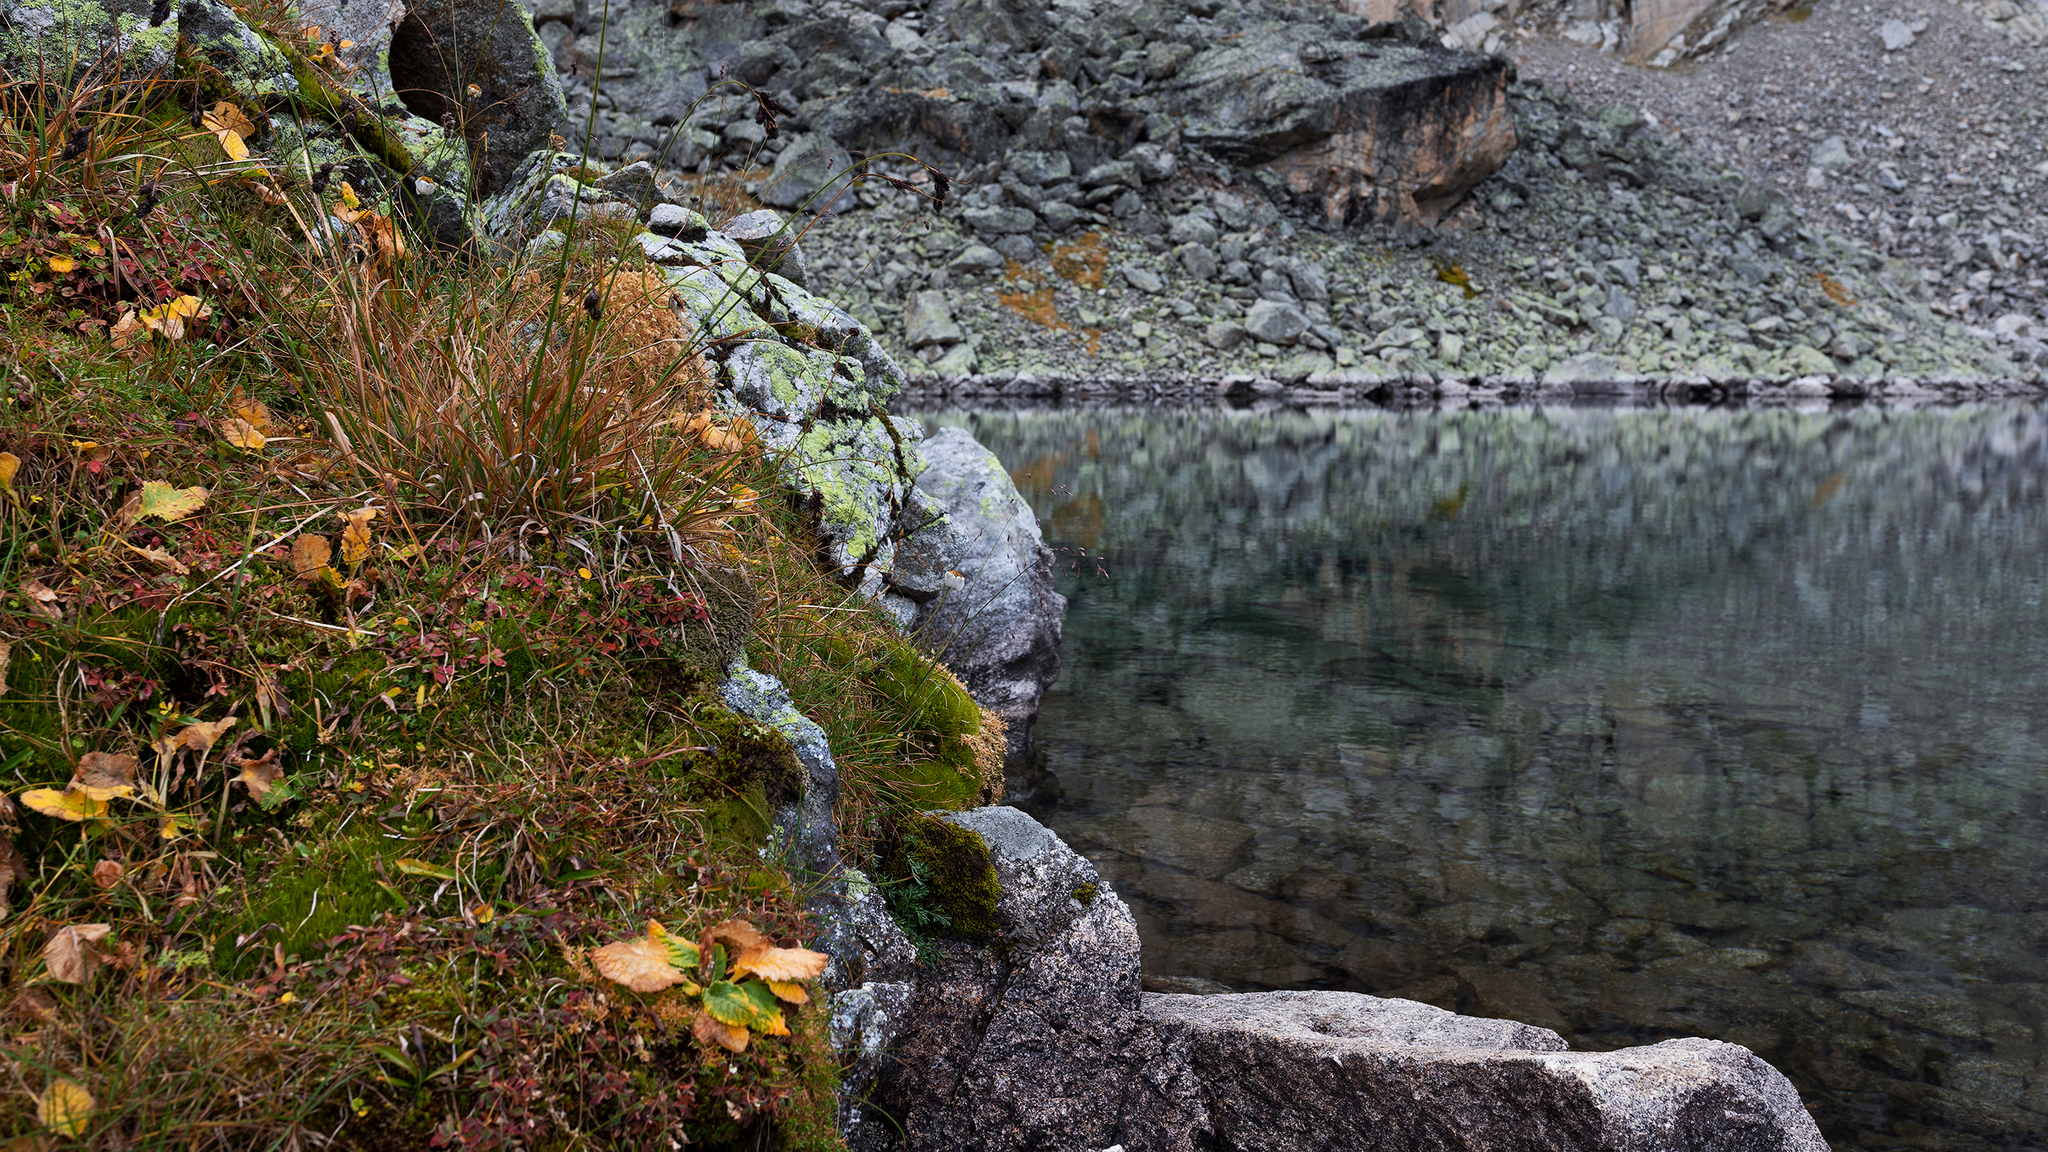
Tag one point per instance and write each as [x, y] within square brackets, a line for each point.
[1631, 724]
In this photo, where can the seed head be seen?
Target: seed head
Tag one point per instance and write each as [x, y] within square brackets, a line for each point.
[147, 203]
[75, 147]
[941, 188]
[320, 178]
[593, 304]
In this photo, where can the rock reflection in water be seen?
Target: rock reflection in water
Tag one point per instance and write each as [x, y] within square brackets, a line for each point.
[1630, 724]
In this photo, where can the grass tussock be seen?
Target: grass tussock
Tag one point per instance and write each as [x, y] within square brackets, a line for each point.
[361, 613]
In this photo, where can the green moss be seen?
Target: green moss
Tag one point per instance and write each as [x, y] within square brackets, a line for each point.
[1085, 893]
[961, 765]
[943, 878]
[748, 772]
[315, 894]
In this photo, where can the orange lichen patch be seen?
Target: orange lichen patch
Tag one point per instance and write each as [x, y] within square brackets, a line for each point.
[1834, 289]
[1082, 261]
[1036, 306]
[1094, 336]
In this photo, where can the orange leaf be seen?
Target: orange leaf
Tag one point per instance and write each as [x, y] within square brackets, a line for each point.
[738, 933]
[641, 964]
[355, 534]
[789, 993]
[260, 774]
[310, 554]
[781, 964]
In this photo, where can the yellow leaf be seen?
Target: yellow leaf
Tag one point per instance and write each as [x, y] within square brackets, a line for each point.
[226, 117]
[310, 554]
[355, 534]
[231, 143]
[482, 913]
[105, 775]
[788, 992]
[71, 804]
[68, 953]
[62, 264]
[738, 933]
[781, 964]
[348, 195]
[288, 998]
[168, 828]
[169, 504]
[641, 964]
[9, 465]
[241, 433]
[64, 1107]
[252, 412]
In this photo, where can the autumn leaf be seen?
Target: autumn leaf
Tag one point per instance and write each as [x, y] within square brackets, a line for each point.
[126, 331]
[252, 412]
[69, 954]
[241, 433]
[641, 963]
[355, 534]
[793, 993]
[780, 964]
[6, 658]
[105, 775]
[259, 774]
[65, 1107]
[107, 873]
[748, 1005]
[200, 737]
[310, 554]
[161, 559]
[170, 504]
[70, 804]
[231, 128]
[412, 867]
[41, 600]
[168, 318]
[682, 952]
[738, 933]
[9, 465]
[709, 1031]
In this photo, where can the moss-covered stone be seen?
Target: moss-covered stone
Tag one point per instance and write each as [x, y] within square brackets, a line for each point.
[946, 870]
[748, 772]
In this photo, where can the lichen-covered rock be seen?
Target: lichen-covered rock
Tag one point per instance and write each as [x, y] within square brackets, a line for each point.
[806, 821]
[1288, 1071]
[77, 44]
[1016, 1043]
[211, 31]
[442, 48]
[996, 624]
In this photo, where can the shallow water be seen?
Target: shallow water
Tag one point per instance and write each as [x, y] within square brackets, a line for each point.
[1635, 724]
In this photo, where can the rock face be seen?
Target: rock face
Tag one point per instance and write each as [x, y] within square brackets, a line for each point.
[442, 47]
[1016, 1045]
[1295, 1071]
[1041, 1038]
[999, 629]
[1373, 128]
[807, 822]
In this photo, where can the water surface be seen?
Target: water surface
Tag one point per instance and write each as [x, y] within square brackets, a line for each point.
[1634, 724]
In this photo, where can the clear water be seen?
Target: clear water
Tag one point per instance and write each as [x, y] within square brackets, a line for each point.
[1635, 724]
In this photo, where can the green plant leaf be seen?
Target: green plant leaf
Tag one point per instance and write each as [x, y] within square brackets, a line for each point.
[718, 964]
[412, 867]
[167, 503]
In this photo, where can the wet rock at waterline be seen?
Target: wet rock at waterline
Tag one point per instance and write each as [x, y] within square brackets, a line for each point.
[980, 575]
[1040, 1037]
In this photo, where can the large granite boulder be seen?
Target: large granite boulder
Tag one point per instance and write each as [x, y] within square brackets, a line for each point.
[1016, 1042]
[1038, 1036]
[996, 623]
[1375, 128]
[1302, 1071]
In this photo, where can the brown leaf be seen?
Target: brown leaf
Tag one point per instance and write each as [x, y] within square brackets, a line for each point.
[6, 658]
[200, 737]
[709, 1032]
[740, 934]
[131, 511]
[69, 952]
[355, 534]
[310, 553]
[162, 559]
[41, 600]
[12, 868]
[107, 873]
[105, 775]
[780, 964]
[259, 774]
[640, 964]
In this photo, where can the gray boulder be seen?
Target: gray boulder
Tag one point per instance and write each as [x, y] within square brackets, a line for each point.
[999, 631]
[1291, 1071]
[1275, 322]
[1015, 1043]
[927, 320]
[442, 47]
[806, 824]
[73, 44]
